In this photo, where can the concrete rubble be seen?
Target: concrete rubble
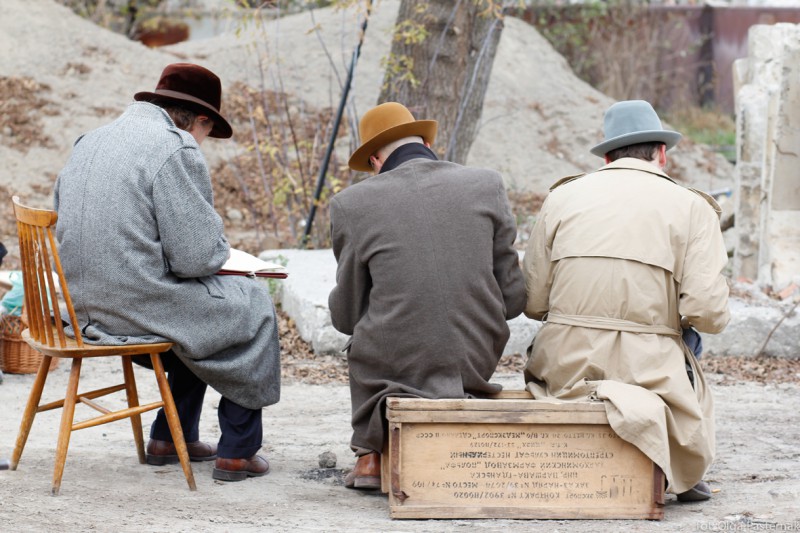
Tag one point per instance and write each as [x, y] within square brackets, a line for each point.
[767, 210]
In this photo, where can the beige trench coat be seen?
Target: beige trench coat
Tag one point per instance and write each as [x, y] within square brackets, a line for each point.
[617, 259]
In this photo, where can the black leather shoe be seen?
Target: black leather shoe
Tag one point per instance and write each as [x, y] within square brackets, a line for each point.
[699, 493]
[162, 452]
[238, 469]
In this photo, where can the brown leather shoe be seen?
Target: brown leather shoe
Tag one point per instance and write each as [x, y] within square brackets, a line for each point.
[366, 475]
[161, 452]
[238, 469]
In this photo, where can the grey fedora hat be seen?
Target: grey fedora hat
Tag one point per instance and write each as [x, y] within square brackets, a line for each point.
[633, 122]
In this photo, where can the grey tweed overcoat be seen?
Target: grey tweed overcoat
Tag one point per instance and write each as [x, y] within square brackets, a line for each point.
[140, 242]
[427, 277]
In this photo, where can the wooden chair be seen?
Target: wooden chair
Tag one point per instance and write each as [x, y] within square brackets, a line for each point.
[45, 333]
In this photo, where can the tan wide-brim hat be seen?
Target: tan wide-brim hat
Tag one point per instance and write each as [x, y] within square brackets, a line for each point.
[195, 87]
[385, 124]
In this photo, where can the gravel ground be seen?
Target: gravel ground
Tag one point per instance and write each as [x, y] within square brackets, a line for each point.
[105, 489]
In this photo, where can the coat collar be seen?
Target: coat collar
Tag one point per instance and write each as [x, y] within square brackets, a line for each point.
[626, 163]
[631, 163]
[405, 153]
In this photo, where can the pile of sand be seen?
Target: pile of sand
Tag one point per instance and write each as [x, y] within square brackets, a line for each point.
[539, 119]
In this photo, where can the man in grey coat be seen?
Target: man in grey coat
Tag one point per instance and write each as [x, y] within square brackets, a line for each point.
[140, 244]
[427, 276]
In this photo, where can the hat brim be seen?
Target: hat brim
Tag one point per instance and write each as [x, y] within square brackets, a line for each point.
[422, 128]
[221, 130]
[670, 138]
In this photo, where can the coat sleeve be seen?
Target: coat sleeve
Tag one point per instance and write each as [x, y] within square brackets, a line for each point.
[703, 289]
[506, 259]
[537, 268]
[349, 299]
[190, 229]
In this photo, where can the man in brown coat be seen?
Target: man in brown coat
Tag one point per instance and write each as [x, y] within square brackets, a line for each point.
[427, 276]
[620, 260]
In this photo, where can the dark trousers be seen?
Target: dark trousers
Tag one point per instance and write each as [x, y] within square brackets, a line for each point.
[241, 427]
[693, 340]
[695, 343]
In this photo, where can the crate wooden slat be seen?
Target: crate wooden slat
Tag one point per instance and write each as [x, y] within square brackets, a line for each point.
[513, 457]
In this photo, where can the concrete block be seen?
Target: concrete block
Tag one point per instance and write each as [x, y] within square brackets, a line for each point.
[312, 275]
[784, 238]
[748, 220]
[304, 297]
[749, 327]
[768, 198]
[523, 330]
[751, 122]
[766, 44]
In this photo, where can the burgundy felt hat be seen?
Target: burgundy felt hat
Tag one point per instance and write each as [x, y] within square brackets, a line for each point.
[185, 83]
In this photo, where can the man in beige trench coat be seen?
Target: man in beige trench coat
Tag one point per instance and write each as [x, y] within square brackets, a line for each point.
[619, 261]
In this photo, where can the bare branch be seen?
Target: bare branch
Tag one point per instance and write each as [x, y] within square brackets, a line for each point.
[784, 317]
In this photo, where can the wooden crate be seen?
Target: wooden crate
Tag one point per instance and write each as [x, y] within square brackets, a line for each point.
[514, 457]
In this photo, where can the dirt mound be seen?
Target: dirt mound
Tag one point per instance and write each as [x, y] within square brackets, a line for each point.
[539, 119]
[538, 122]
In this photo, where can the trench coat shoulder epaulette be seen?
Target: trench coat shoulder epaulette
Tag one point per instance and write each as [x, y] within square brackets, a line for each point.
[566, 179]
[708, 198]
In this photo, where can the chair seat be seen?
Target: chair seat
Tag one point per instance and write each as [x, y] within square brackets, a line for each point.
[92, 350]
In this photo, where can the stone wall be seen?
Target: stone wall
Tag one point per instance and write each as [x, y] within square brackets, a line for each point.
[768, 157]
[312, 275]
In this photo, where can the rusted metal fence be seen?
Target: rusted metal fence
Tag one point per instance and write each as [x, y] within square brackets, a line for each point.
[669, 55]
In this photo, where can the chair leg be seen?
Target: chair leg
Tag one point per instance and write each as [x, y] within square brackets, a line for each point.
[30, 410]
[65, 431]
[173, 421]
[133, 401]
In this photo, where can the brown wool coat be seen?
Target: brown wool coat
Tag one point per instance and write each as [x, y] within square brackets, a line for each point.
[426, 279]
[616, 258]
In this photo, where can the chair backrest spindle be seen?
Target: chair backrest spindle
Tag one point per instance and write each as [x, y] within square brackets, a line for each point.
[39, 256]
[65, 293]
[41, 288]
[28, 277]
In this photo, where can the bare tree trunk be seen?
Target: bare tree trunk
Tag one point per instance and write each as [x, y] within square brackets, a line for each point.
[442, 73]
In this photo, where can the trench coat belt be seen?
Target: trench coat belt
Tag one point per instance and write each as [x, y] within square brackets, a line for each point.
[613, 324]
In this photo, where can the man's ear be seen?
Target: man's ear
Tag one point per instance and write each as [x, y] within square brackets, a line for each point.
[608, 159]
[662, 155]
[427, 144]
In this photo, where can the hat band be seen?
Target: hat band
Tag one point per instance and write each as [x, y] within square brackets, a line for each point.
[184, 96]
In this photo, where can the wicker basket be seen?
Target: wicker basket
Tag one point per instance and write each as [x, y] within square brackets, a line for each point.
[16, 356]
